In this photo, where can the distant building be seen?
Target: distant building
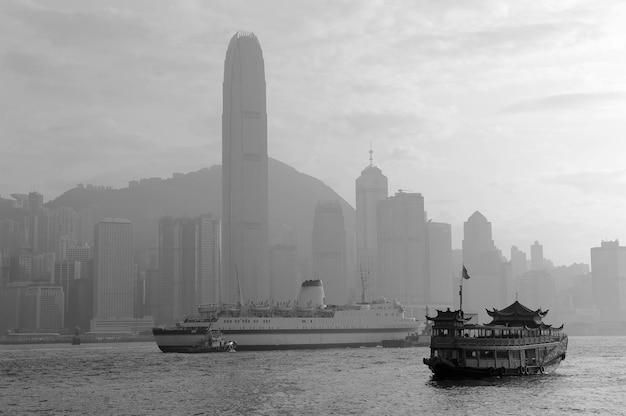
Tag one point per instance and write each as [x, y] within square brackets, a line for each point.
[402, 253]
[440, 272]
[537, 261]
[43, 309]
[113, 285]
[177, 268]
[245, 218]
[518, 262]
[80, 253]
[608, 270]
[12, 305]
[536, 289]
[487, 286]
[207, 253]
[189, 266]
[329, 257]
[371, 187]
[284, 282]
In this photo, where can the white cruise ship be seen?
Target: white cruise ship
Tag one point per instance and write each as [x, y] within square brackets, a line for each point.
[307, 324]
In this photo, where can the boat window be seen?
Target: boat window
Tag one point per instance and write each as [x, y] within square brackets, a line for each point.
[531, 354]
[514, 354]
[471, 353]
[486, 353]
[502, 354]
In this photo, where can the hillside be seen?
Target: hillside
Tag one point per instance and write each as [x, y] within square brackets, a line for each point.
[292, 195]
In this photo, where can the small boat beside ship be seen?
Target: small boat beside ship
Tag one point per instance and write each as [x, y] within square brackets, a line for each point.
[307, 323]
[199, 340]
[515, 343]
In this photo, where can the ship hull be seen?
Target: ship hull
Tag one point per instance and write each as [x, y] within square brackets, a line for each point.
[277, 339]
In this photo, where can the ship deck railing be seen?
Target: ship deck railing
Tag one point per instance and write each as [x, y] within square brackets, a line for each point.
[494, 342]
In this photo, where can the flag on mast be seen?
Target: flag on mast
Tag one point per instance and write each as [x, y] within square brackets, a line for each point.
[465, 275]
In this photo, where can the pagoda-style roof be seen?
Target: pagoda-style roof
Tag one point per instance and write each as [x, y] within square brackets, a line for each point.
[517, 314]
[449, 317]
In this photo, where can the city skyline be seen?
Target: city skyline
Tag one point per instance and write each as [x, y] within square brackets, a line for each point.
[510, 109]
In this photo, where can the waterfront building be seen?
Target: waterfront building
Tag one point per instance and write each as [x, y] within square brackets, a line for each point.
[188, 265]
[402, 253]
[43, 309]
[245, 253]
[176, 269]
[329, 257]
[113, 286]
[440, 270]
[284, 282]
[12, 305]
[371, 188]
[483, 260]
[608, 271]
[207, 253]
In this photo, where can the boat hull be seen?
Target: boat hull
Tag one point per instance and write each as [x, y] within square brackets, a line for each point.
[445, 369]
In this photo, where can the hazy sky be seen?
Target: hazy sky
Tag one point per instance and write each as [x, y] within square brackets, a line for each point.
[515, 109]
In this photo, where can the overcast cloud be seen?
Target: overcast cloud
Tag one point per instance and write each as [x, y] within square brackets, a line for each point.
[512, 108]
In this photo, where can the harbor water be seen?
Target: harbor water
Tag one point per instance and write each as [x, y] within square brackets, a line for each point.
[137, 379]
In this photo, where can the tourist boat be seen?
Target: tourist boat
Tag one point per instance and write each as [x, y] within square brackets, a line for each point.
[515, 343]
[309, 323]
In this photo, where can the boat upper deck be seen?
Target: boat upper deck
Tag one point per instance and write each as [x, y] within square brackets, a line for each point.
[483, 335]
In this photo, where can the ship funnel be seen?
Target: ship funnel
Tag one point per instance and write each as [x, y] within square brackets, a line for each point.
[311, 294]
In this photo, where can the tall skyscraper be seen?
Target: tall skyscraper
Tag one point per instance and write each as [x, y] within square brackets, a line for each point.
[608, 271]
[188, 266]
[537, 261]
[113, 285]
[483, 260]
[329, 259]
[518, 262]
[283, 273]
[371, 187]
[176, 269]
[207, 259]
[402, 253]
[440, 270]
[245, 253]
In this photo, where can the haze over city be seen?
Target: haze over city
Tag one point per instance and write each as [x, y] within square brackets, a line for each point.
[510, 109]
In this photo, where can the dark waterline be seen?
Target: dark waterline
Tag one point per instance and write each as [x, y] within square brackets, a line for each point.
[138, 379]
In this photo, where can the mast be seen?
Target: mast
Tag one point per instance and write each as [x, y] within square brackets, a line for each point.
[363, 283]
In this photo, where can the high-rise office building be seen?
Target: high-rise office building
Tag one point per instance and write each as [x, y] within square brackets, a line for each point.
[177, 269]
[402, 253]
[329, 260]
[113, 285]
[483, 260]
[371, 187]
[207, 250]
[439, 263]
[284, 282]
[518, 262]
[245, 254]
[537, 261]
[43, 308]
[608, 271]
[188, 265]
